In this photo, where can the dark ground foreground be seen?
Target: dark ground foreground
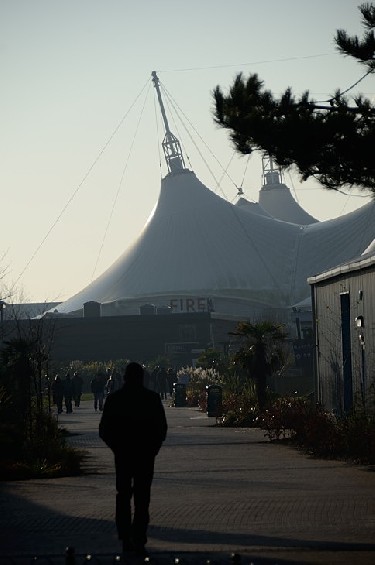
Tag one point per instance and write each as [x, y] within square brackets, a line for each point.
[220, 496]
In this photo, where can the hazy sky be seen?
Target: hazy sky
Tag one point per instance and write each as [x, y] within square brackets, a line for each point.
[81, 132]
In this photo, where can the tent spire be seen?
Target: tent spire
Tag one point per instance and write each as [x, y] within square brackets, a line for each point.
[171, 145]
[271, 173]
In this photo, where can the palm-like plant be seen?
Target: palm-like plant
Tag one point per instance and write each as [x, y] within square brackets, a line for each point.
[260, 353]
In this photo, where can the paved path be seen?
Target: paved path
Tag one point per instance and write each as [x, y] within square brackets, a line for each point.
[216, 491]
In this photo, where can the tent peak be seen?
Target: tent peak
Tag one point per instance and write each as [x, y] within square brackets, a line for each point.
[171, 146]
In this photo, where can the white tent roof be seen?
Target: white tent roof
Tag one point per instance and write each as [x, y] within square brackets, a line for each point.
[197, 244]
[366, 259]
[276, 199]
[253, 207]
[370, 250]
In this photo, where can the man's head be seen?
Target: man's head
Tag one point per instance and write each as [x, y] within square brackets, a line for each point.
[134, 373]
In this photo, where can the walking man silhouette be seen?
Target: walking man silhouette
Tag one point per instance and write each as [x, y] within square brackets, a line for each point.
[133, 425]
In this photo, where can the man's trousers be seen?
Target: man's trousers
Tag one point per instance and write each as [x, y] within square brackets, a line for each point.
[134, 475]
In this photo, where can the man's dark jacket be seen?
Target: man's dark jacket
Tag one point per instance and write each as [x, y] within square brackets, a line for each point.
[133, 421]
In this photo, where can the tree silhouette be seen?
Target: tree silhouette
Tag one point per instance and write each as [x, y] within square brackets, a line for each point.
[333, 143]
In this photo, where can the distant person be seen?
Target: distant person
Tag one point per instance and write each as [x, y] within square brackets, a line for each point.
[110, 385]
[171, 378]
[98, 389]
[114, 381]
[68, 393]
[77, 388]
[147, 380]
[109, 382]
[163, 383]
[118, 380]
[57, 388]
[153, 381]
[134, 426]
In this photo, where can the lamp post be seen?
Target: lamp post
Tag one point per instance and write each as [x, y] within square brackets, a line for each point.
[2, 308]
[359, 321]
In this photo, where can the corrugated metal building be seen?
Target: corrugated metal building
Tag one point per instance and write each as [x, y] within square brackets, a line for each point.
[344, 321]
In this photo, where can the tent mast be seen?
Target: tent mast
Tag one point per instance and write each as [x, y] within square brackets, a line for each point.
[171, 145]
[271, 173]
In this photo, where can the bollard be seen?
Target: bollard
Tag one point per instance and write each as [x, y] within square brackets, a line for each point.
[214, 395]
[179, 394]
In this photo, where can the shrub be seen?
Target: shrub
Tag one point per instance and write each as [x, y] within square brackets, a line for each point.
[358, 438]
[319, 432]
[240, 406]
[35, 452]
[199, 379]
[43, 454]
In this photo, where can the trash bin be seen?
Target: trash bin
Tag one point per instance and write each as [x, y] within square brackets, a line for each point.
[179, 394]
[214, 401]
